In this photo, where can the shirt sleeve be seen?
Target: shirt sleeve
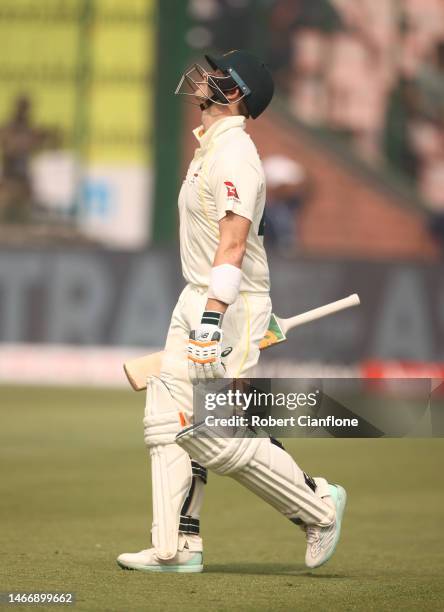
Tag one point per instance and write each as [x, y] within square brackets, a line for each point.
[235, 185]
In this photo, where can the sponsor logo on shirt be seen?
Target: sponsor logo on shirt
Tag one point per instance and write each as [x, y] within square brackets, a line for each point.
[231, 190]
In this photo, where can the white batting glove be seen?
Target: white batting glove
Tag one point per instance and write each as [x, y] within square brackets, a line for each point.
[205, 348]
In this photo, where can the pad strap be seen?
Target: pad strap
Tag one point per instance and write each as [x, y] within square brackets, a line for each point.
[188, 524]
[199, 471]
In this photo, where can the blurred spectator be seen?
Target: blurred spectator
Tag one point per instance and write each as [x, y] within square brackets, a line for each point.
[286, 193]
[372, 73]
[430, 83]
[19, 139]
[397, 141]
[428, 137]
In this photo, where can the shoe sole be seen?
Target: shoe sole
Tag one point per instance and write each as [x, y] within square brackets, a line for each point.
[163, 569]
[341, 501]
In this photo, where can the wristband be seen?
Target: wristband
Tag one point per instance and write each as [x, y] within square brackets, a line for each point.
[225, 283]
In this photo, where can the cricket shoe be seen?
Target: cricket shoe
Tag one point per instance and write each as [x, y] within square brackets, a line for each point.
[322, 541]
[186, 561]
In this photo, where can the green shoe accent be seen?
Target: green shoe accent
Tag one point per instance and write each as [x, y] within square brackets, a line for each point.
[339, 497]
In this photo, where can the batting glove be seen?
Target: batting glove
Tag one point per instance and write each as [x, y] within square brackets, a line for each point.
[205, 348]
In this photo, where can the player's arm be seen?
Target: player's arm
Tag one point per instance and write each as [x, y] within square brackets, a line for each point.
[233, 230]
[205, 342]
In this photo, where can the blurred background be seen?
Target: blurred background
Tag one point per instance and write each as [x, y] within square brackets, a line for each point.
[94, 145]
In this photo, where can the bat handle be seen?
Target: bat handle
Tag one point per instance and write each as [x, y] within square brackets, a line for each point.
[318, 313]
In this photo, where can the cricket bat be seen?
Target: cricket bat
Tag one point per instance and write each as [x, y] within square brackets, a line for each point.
[139, 369]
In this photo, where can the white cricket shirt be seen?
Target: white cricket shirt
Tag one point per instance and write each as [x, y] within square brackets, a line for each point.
[225, 175]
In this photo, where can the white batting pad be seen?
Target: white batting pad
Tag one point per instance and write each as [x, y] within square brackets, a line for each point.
[275, 476]
[170, 467]
[261, 466]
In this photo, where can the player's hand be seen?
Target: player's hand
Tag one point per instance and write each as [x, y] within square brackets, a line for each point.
[204, 353]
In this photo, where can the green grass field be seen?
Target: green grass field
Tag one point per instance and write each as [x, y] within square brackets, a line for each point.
[75, 493]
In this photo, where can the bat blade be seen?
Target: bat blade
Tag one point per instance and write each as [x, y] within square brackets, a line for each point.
[139, 369]
[274, 333]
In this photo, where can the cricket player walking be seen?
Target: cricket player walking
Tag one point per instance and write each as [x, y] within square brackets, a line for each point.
[216, 327]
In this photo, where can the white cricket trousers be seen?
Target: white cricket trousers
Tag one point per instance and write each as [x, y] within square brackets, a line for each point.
[244, 326]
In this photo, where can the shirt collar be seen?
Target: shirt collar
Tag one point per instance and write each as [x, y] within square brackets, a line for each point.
[205, 138]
